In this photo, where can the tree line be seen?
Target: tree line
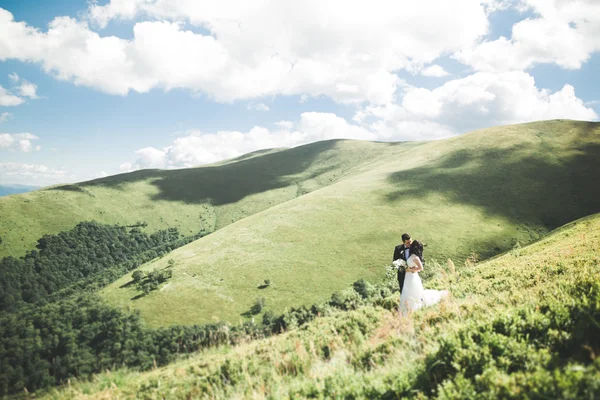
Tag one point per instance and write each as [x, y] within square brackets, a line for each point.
[79, 255]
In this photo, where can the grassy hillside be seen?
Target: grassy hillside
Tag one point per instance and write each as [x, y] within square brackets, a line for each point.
[522, 325]
[208, 197]
[481, 193]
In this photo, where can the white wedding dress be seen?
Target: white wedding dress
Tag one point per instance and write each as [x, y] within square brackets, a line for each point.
[414, 296]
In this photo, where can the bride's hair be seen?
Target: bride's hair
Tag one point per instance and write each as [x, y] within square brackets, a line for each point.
[411, 260]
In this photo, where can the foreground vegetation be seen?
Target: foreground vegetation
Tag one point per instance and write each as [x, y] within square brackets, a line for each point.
[523, 325]
[479, 192]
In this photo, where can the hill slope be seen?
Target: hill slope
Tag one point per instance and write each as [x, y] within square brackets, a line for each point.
[522, 325]
[480, 192]
[208, 197]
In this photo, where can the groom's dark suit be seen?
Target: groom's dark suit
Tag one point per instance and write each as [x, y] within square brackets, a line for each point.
[399, 253]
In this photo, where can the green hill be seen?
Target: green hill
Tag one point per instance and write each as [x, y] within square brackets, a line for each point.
[208, 197]
[473, 195]
[522, 325]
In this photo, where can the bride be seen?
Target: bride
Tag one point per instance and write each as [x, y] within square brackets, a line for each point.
[414, 296]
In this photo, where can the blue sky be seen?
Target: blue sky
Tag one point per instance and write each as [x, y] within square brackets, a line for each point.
[120, 86]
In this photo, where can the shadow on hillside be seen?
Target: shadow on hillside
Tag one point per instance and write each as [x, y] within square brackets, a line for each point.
[224, 184]
[128, 284]
[548, 184]
[138, 296]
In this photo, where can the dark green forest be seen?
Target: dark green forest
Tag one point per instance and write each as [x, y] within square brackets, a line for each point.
[77, 255]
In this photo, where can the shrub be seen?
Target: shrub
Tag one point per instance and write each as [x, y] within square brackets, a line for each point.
[268, 318]
[347, 299]
[258, 306]
[152, 281]
[138, 276]
[364, 288]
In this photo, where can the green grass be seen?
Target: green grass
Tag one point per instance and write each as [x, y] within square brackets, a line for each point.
[480, 193]
[525, 324]
[208, 197]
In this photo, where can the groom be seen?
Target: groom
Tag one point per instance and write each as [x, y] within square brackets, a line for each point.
[404, 251]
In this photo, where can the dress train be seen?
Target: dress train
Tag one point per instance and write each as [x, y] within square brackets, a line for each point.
[414, 296]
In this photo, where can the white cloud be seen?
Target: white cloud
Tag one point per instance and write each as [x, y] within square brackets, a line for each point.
[434, 71]
[479, 100]
[8, 99]
[33, 174]
[564, 33]
[24, 145]
[258, 50]
[127, 167]
[21, 141]
[5, 116]
[27, 89]
[197, 148]
[258, 107]
[496, 5]
[150, 157]
[323, 50]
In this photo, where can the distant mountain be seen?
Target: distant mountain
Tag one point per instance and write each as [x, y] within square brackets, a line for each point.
[6, 190]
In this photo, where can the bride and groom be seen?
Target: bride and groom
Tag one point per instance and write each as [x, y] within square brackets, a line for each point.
[409, 258]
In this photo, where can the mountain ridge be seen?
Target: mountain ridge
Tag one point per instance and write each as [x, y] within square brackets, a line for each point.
[470, 196]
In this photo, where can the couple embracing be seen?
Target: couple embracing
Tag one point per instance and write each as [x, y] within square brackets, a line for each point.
[408, 256]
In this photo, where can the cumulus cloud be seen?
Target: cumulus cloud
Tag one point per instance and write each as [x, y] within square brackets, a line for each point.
[24, 89]
[479, 100]
[258, 50]
[434, 71]
[33, 174]
[350, 56]
[563, 32]
[496, 5]
[197, 148]
[9, 99]
[17, 141]
[150, 157]
[460, 105]
[27, 89]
